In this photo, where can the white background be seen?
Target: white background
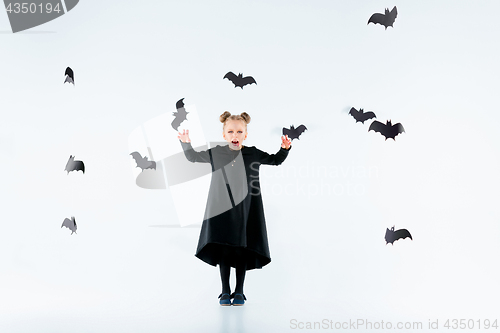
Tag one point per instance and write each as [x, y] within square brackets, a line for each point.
[131, 268]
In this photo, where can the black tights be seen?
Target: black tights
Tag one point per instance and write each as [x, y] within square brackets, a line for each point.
[225, 270]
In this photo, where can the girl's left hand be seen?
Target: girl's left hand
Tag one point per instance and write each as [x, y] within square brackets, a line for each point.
[286, 142]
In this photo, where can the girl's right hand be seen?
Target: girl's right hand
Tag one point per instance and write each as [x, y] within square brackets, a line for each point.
[184, 136]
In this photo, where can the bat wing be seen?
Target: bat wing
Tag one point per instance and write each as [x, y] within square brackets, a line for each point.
[69, 165]
[391, 17]
[137, 157]
[179, 104]
[142, 162]
[70, 224]
[355, 114]
[367, 115]
[176, 123]
[299, 130]
[66, 223]
[401, 234]
[180, 116]
[69, 79]
[398, 128]
[146, 164]
[231, 77]
[69, 72]
[377, 126]
[248, 80]
[287, 131]
[80, 166]
[377, 18]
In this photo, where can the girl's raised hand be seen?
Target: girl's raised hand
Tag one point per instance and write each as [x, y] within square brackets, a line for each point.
[184, 136]
[285, 142]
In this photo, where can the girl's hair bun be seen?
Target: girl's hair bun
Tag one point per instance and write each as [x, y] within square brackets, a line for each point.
[223, 117]
[246, 117]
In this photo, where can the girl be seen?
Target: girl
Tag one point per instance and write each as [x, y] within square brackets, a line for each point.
[233, 233]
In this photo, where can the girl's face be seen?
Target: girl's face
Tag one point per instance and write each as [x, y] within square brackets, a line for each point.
[235, 133]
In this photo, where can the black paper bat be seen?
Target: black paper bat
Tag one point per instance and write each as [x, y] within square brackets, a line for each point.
[361, 116]
[239, 80]
[70, 224]
[294, 133]
[391, 236]
[73, 165]
[388, 130]
[180, 114]
[179, 104]
[386, 19]
[142, 162]
[70, 77]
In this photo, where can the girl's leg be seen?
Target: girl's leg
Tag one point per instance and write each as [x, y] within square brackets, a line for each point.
[241, 269]
[225, 296]
[225, 270]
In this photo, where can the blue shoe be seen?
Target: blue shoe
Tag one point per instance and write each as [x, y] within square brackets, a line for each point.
[239, 299]
[225, 299]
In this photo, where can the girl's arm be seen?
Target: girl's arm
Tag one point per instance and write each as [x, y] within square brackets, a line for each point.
[280, 156]
[191, 154]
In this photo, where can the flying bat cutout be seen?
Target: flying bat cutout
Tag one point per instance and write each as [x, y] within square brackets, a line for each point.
[294, 133]
[387, 19]
[361, 116]
[180, 114]
[388, 129]
[239, 80]
[73, 165]
[391, 236]
[70, 77]
[142, 162]
[70, 224]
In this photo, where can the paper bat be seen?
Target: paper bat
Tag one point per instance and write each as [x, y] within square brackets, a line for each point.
[70, 224]
[386, 19]
[70, 77]
[388, 130]
[142, 162]
[180, 114]
[73, 165]
[361, 116]
[294, 133]
[391, 236]
[239, 80]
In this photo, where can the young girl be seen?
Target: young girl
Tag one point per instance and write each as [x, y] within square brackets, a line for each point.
[233, 233]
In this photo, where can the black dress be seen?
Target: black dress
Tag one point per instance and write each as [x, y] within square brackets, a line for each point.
[234, 225]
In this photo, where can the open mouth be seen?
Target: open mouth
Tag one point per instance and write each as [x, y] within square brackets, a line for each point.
[235, 143]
